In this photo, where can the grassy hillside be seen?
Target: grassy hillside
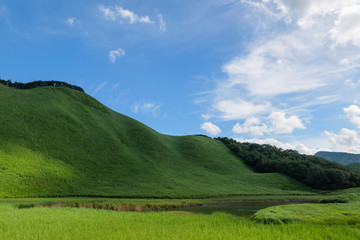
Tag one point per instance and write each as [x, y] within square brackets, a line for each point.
[339, 157]
[61, 142]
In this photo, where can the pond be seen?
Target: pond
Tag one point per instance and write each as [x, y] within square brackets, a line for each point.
[239, 208]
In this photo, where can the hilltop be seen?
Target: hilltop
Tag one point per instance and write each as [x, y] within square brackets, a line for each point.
[61, 142]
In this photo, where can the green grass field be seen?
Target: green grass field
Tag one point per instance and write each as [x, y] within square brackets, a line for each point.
[62, 142]
[80, 223]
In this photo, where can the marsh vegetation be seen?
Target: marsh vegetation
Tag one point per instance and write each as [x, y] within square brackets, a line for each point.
[89, 218]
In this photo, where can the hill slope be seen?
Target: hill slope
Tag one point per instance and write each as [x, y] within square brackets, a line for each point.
[339, 157]
[61, 142]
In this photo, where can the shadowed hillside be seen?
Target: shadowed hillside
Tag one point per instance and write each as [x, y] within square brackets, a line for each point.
[61, 142]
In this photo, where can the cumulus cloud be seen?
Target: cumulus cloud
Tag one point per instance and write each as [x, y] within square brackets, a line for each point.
[210, 128]
[162, 23]
[283, 124]
[301, 148]
[115, 12]
[347, 140]
[347, 26]
[115, 54]
[252, 126]
[344, 16]
[146, 108]
[353, 113]
[277, 122]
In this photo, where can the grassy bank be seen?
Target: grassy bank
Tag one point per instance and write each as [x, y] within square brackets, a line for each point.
[342, 207]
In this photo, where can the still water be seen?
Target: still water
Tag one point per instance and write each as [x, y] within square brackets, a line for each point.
[236, 208]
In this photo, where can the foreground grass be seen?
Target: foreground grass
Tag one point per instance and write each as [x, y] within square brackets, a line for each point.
[72, 223]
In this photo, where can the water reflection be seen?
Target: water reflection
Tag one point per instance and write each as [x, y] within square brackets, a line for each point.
[236, 208]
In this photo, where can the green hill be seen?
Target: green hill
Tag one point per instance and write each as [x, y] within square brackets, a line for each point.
[62, 142]
[339, 157]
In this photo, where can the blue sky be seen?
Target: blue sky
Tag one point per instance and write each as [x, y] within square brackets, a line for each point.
[283, 72]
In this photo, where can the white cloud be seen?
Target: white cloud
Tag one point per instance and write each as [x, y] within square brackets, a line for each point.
[347, 140]
[162, 23]
[252, 126]
[115, 54]
[296, 68]
[210, 128]
[353, 113]
[239, 109]
[71, 21]
[283, 124]
[279, 66]
[351, 83]
[344, 16]
[116, 12]
[347, 26]
[301, 148]
[277, 123]
[100, 87]
[205, 116]
[146, 108]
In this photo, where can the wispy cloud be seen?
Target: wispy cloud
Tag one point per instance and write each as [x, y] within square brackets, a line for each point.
[114, 13]
[115, 54]
[146, 108]
[162, 23]
[103, 84]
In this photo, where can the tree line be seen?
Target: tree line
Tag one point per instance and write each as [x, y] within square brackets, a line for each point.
[314, 171]
[37, 84]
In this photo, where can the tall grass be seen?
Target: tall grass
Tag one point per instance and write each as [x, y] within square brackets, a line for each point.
[70, 223]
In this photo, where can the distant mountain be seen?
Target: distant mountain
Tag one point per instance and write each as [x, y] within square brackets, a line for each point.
[339, 157]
